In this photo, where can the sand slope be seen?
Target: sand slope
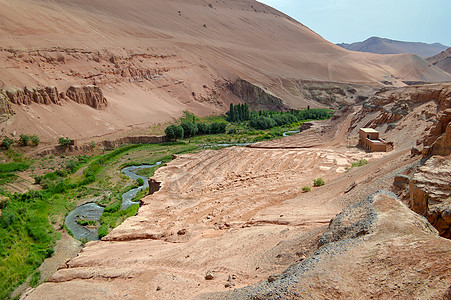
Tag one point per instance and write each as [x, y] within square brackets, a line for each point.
[175, 54]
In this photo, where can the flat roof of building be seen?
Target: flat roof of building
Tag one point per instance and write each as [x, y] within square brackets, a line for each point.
[369, 130]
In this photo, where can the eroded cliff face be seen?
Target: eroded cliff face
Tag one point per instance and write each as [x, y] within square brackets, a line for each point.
[256, 97]
[90, 95]
[5, 107]
[430, 193]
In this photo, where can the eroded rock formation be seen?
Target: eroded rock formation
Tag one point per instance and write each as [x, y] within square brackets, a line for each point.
[256, 97]
[5, 107]
[89, 95]
[430, 193]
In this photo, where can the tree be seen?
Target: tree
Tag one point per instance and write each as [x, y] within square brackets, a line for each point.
[218, 127]
[169, 131]
[203, 128]
[189, 129]
[179, 133]
[24, 139]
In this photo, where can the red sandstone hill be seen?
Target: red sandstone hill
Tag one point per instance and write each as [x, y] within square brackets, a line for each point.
[154, 59]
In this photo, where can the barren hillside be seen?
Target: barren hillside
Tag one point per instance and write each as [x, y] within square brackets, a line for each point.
[154, 59]
[442, 60]
[386, 46]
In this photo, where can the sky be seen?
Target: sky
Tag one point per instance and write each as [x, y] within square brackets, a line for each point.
[350, 21]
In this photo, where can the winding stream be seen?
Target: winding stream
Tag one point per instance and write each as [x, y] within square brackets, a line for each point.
[93, 211]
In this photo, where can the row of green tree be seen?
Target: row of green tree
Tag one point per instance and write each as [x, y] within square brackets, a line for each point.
[269, 119]
[190, 129]
[238, 113]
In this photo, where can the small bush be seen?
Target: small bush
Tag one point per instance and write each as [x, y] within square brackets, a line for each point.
[38, 179]
[64, 142]
[35, 140]
[360, 163]
[24, 139]
[140, 181]
[318, 182]
[306, 189]
[7, 142]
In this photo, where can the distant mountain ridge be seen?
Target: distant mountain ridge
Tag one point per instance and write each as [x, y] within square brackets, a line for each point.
[386, 46]
[442, 60]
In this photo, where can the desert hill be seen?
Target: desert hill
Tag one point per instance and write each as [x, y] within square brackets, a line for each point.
[154, 59]
[442, 60]
[387, 46]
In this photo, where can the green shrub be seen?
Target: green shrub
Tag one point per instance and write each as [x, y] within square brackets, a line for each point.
[318, 182]
[24, 139]
[140, 181]
[64, 142]
[7, 142]
[306, 189]
[38, 179]
[360, 163]
[35, 140]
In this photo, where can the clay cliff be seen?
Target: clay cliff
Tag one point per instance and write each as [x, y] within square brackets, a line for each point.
[89, 95]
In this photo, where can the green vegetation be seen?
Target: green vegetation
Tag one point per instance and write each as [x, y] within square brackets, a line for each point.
[319, 182]
[7, 142]
[239, 113]
[24, 139]
[8, 171]
[35, 140]
[140, 181]
[64, 141]
[306, 189]
[360, 163]
[83, 222]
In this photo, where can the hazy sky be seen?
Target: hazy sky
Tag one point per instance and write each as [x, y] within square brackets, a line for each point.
[348, 21]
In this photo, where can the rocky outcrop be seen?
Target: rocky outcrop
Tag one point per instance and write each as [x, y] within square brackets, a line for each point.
[5, 107]
[256, 97]
[90, 95]
[373, 249]
[30, 95]
[439, 128]
[430, 193]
